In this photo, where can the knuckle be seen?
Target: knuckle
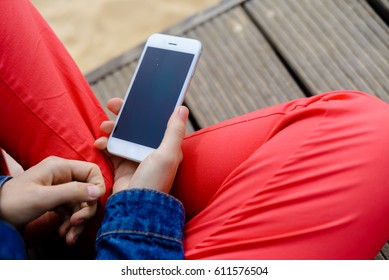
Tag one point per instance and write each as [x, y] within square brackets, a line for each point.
[51, 162]
[178, 130]
[95, 168]
[51, 159]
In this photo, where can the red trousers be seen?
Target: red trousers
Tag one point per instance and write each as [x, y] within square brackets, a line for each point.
[301, 180]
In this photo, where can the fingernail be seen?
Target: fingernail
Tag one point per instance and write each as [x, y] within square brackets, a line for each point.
[183, 113]
[93, 191]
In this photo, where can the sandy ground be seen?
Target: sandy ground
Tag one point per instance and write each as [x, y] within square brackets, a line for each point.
[95, 31]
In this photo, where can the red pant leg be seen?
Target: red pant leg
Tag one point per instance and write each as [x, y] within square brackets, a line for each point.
[47, 107]
[211, 154]
[315, 187]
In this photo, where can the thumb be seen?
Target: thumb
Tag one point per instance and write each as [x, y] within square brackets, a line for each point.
[159, 168]
[175, 131]
[72, 192]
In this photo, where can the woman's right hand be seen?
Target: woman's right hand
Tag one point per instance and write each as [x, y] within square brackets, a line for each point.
[69, 187]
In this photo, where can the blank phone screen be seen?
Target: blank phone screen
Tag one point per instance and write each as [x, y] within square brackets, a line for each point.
[153, 96]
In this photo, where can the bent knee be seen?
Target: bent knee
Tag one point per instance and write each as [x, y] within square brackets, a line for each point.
[359, 109]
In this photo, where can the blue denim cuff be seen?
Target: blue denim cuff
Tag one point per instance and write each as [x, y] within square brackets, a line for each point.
[11, 243]
[144, 212]
[4, 179]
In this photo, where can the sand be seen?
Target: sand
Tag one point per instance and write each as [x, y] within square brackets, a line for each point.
[95, 31]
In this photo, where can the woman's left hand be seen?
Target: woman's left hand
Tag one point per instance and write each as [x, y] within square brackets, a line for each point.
[158, 170]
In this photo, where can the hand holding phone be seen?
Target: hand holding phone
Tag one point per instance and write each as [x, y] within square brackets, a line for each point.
[158, 170]
[158, 86]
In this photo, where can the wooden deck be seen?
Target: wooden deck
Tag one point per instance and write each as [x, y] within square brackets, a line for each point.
[259, 53]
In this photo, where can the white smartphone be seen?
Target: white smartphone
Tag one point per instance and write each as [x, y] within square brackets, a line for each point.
[158, 86]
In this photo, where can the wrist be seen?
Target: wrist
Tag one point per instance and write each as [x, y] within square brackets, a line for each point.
[3, 181]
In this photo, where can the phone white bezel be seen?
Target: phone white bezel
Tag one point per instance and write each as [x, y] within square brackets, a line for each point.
[138, 152]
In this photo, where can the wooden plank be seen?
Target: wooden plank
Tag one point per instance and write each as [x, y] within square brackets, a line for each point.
[381, 7]
[123, 66]
[383, 254]
[379, 257]
[238, 71]
[385, 251]
[331, 45]
[178, 29]
[114, 65]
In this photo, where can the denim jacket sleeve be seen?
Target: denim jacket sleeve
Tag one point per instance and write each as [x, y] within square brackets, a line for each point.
[11, 242]
[4, 179]
[141, 224]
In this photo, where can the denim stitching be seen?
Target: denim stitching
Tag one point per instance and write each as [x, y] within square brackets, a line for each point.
[153, 234]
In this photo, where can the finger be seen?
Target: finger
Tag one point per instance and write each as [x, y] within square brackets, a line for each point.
[64, 228]
[64, 171]
[175, 131]
[73, 192]
[107, 126]
[114, 105]
[74, 233]
[84, 214]
[101, 143]
[159, 168]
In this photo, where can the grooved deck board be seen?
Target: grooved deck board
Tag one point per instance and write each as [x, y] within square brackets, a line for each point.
[331, 45]
[238, 73]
